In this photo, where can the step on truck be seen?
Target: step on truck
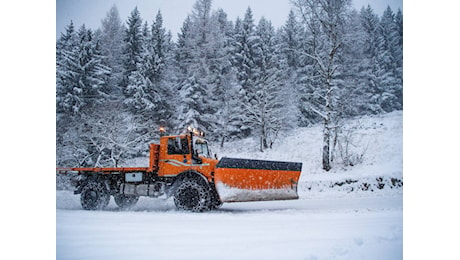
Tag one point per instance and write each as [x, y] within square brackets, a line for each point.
[182, 167]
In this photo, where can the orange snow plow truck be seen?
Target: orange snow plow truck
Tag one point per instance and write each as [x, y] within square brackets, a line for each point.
[181, 166]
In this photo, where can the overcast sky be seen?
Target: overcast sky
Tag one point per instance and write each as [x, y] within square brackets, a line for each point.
[174, 12]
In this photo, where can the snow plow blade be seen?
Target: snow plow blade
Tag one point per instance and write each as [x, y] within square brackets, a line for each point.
[239, 180]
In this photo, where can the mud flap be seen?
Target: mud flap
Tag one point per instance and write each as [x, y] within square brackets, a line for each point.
[240, 180]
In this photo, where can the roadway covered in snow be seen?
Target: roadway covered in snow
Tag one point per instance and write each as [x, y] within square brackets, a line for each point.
[351, 227]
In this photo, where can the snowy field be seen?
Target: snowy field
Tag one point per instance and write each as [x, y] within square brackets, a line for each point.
[321, 228]
[348, 213]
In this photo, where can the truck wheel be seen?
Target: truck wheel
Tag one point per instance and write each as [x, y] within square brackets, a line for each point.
[94, 196]
[193, 196]
[215, 201]
[125, 201]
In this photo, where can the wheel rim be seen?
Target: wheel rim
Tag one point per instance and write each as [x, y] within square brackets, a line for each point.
[191, 196]
[90, 199]
[94, 197]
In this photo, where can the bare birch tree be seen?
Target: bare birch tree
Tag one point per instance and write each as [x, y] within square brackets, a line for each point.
[324, 22]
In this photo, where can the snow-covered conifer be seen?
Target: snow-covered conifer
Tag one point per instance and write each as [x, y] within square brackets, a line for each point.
[111, 42]
[226, 120]
[133, 41]
[263, 111]
[197, 79]
[81, 74]
[390, 61]
[81, 77]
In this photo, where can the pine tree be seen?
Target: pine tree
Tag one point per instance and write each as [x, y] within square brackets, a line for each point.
[399, 58]
[350, 65]
[111, 42]
[162, 76]
[192, 108]
[81, 74]
[244, 64]
[65, 46]
[183, 52]
[81, 84]
[370, 67]
[64, 112]
[226, 120]
[390, 63]
[133, 40]
[147, 95]
[66, 41]
[196, 79]
[289, 42]
[201, 15]
[264, 107]
[244, 49]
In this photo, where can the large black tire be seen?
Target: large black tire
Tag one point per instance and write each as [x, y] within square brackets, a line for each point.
[94, 196]
[125, 201]
[193, 196]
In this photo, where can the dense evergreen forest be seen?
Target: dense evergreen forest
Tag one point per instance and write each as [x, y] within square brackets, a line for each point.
[116, 85]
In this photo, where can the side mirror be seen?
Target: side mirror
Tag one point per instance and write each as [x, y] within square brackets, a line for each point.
[196, 159]
[215, 156]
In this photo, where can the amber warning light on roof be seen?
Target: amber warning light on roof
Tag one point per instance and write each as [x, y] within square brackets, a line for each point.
[195, 131]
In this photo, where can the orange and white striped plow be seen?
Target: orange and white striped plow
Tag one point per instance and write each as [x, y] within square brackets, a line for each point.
[239, 180]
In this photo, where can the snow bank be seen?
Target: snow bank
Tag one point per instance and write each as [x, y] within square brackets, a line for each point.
[378, 139]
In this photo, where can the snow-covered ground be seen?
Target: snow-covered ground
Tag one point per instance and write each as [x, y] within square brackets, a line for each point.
[325, 228]
[347, 213]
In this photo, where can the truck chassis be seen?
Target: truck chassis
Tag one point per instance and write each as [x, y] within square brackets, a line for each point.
[181, 166]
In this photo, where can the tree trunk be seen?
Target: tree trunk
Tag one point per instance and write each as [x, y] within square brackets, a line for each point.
[327, 126]
[334, 142]
[222, 141]
[326, 146]
[263, 138]
[261, 146]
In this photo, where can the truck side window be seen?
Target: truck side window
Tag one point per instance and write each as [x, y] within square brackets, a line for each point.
[178, 146]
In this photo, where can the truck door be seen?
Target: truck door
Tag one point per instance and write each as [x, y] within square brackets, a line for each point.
[175, 156]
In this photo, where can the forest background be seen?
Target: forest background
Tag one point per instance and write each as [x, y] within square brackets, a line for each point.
[116, 85]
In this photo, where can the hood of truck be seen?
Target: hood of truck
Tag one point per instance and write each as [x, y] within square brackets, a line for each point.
[211, 162]
[206, 167]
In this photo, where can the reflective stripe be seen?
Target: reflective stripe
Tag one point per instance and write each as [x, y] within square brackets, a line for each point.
[179, 163]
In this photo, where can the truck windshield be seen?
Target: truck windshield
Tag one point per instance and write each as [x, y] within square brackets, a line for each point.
[201, 148]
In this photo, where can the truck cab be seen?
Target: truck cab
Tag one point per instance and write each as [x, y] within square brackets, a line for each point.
[185, 153]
